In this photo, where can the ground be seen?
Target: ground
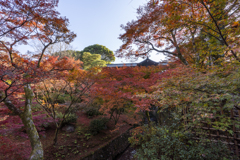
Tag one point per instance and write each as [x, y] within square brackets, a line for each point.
[75, 145]
[80, 143]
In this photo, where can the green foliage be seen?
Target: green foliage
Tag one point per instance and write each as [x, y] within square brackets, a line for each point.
[106, 54]
[167, 143]
[69, 118]
[92, 111]
[92, 60]
[60, 99]
[97, 125]
[54, 98]
[100, 53]
[209, 97]
[93, 108]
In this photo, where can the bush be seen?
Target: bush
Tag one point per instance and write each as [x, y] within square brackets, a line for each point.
[71, 118]
[60, 99]
[97, 125]
[166, 143]
[92, 111]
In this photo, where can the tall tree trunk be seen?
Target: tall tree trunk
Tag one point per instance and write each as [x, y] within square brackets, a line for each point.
[26, 117]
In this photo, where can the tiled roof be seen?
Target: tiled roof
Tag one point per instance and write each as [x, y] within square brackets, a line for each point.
[122, 64]
[146, 62]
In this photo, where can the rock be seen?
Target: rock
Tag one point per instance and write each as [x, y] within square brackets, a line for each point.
[68, 128]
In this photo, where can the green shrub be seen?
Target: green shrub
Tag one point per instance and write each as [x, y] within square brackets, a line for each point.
[60, 99]
[167, 144]
[97, 125]
[92, 111]
[71, 118]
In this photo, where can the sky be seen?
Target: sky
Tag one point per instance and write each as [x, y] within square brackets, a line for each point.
[98, 22]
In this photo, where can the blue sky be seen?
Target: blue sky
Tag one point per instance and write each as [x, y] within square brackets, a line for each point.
[98, 22]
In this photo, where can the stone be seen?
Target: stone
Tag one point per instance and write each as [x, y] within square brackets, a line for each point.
[68, 128]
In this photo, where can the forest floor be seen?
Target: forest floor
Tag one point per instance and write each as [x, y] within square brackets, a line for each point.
[81, 143]
[14, 143]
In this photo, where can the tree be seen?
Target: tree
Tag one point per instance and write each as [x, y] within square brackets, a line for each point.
[60, 49]
[106, 54]
[223, 14]
[74, 85]
[92, 60]
[154, 30]
[124, 89]
[21, 21]
[169, 26]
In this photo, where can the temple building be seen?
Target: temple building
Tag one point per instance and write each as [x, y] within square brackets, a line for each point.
[146, 62]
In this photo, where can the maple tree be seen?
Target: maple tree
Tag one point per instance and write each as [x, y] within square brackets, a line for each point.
[190, 100]
[204, 36]
[124, 89]
[21, 21]
[181, 28]
[74, 84]
[204, 95]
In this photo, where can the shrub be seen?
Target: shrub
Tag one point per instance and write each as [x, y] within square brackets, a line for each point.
[60, 99]
[166, 143]
[97, 125]
[71, 118]
[92, 111]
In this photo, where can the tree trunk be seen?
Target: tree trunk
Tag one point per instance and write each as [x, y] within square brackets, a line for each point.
[182, 58]
[56, 135]
[26, 116]
[58, 127]
[179, 53]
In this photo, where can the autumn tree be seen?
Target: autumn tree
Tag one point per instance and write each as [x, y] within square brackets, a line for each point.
[177, 29]
[215, 35]
[73, 85]
[154, 30]
[21, 21]
[124, 89]
[222, 16]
